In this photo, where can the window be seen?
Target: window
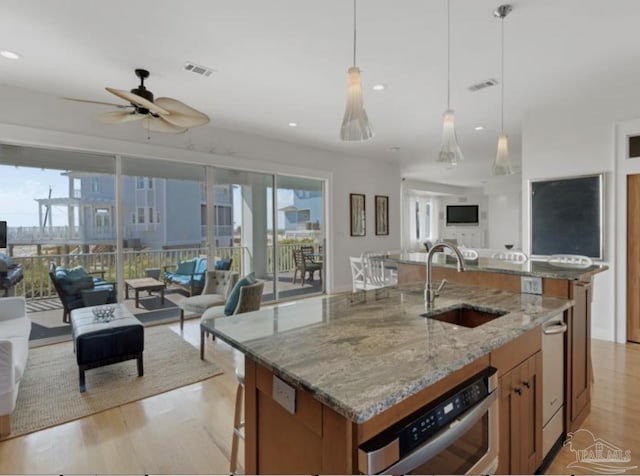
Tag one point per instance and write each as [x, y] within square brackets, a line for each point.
[427, 221]
[140, 215]
[151, 217]
[150, 183]
[102, 218]
[95, 184]
[417, 220]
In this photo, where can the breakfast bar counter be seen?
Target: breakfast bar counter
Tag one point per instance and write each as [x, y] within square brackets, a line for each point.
[326, 375]
[362, 354]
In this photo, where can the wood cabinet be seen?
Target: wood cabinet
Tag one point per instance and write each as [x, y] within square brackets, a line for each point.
[519, 365]
[521, 417]
[578, 358]
[314, 439]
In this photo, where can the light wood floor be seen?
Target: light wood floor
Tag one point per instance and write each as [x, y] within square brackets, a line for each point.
[615, 412]
[184, 431]
[188, 430]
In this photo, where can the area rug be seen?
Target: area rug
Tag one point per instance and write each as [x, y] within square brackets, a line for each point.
[49, 393]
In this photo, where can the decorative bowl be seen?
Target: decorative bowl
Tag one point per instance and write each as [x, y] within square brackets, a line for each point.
[103, 313]
[508, 246]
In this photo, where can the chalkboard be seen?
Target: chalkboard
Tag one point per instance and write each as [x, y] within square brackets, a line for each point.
[566, 216]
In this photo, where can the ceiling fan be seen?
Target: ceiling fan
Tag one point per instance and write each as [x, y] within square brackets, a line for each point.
[160, 115]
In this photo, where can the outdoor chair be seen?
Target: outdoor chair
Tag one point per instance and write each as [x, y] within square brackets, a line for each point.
[190, 275]
[305, 264]
[77, 288]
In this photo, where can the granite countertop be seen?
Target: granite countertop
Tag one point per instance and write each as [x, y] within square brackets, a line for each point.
[541, 269]
[363, 353]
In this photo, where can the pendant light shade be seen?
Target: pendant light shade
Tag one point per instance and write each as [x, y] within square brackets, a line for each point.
[502, 164]
[450, 152]
[355, 124]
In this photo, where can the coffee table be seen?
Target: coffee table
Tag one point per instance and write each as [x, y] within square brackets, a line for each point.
[143, 284]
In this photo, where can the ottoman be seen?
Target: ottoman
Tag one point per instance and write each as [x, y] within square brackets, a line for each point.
[99, 343]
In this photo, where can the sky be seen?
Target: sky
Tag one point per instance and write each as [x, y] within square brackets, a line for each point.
[20, 186]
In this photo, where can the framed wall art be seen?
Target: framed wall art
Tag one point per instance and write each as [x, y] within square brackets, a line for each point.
[357, 214]
[382, 214]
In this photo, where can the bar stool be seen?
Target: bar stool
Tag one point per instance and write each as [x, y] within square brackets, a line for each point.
[238, 423]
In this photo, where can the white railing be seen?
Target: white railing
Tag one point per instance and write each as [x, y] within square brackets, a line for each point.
[35, 234]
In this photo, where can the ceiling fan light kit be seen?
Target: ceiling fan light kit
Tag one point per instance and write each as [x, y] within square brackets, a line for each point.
[450, 152]
[355, 124]
[502, 164]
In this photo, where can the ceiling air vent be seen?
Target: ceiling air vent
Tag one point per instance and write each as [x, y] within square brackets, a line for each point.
[487, 83]
[198, 69]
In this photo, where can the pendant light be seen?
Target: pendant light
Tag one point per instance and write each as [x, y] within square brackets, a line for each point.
[450, 152]
[355, 124]
[502, 164]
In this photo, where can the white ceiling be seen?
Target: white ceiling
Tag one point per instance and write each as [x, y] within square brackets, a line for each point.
[279, 61]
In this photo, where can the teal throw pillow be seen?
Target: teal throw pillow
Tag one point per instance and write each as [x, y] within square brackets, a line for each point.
[186, 267]
[77, 273]
[234, 297]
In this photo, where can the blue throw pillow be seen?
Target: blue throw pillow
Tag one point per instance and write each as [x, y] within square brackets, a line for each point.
[222, 264]
[234, 297]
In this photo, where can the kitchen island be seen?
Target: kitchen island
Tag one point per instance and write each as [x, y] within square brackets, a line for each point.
[358, 363]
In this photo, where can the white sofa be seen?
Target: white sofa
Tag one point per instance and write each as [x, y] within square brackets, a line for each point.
[15, 328]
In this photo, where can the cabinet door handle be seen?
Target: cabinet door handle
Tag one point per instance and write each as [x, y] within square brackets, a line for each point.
[526, 384]
[518, 390]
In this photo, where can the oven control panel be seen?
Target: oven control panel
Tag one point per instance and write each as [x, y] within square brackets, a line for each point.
[441, 413]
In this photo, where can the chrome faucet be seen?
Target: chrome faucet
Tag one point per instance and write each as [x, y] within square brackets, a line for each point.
[430, 294]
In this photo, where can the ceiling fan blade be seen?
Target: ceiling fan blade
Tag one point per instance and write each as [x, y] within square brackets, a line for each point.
[137, 100]
[102, 103]
[119, 117]
[158, 124]
[180, 114]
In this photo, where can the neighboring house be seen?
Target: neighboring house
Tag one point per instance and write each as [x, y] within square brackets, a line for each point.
[157, 212]
[303, 218]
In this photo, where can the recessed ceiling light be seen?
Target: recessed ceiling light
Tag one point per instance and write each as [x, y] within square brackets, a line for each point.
[293, 124]
[10, 55]
[479, 128]
[395, 148]
[379, 87]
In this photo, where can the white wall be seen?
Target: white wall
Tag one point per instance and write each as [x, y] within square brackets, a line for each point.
[504, 224]
[28, 118]
[578, 138]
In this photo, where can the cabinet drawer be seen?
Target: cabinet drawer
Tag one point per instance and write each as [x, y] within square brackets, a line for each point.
[511, 354]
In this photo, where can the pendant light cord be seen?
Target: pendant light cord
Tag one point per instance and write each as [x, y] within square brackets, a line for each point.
[354, 32]
[502, 75]
[448, 54]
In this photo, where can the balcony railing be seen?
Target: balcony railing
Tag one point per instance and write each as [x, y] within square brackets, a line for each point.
[37, 285]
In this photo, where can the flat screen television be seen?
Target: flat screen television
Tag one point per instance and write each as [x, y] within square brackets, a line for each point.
[462, 215]
[3, 234]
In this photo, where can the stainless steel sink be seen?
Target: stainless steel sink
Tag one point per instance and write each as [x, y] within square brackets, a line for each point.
[465, 315]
